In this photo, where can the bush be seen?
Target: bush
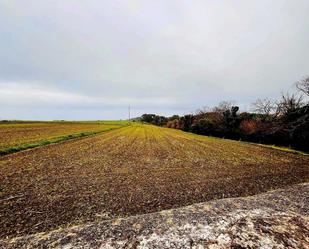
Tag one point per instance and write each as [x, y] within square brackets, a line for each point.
[249, 127]
[203, 127]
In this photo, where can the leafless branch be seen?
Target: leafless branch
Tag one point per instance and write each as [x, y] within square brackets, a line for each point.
[303, 85]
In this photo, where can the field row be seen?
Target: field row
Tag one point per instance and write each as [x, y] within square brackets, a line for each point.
[133, 170]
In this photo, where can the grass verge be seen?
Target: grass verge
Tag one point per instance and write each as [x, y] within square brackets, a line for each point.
[276, 147]
[285, 149]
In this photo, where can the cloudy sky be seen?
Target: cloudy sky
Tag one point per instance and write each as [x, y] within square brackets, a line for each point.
[77, 59]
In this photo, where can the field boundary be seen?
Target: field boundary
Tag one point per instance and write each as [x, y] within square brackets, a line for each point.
[10, 150]
[271, 146]
[285, 149]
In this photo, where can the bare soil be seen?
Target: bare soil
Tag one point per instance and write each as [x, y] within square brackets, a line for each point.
[133, 170]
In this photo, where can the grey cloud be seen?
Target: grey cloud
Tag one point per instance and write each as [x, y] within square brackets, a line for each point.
[159, 56]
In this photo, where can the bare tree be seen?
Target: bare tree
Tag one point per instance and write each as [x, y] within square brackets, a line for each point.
[223, 106]
[303, 85]
[289, 103]
[264, 106]
[202, 110]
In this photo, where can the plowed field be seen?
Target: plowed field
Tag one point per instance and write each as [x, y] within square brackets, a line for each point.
[16, 136]
[133, 170]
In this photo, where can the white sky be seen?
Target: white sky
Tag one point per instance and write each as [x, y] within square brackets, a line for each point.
[78, 59]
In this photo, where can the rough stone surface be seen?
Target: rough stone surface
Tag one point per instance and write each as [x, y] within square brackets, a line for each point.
[277, 219]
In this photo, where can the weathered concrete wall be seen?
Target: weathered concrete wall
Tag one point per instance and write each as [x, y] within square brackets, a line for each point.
[277, 219]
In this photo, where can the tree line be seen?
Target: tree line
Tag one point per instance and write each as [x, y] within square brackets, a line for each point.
[282, 122]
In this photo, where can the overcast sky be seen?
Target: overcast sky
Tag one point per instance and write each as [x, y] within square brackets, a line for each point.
[78, 59]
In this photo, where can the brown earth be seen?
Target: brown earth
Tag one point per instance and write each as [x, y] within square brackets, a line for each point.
[133, 170]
